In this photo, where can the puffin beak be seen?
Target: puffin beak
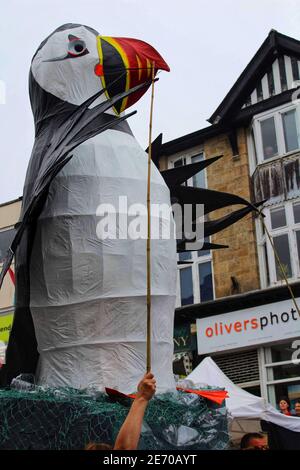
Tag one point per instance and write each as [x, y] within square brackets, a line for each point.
[125, 63]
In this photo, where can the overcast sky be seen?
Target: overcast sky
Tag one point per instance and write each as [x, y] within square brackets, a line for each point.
[207, 44]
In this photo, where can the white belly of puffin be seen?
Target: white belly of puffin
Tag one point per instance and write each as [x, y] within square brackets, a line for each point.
[87, 295]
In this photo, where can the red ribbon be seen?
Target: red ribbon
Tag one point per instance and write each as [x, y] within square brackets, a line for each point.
[12, 275]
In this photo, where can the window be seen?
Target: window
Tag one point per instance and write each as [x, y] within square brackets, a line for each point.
[275, 134]
[295, 69]
[185, 256]
[283, 223]
[204, 252]
[205, 280]
[296, 213]
[282, 374]
[179, 162]
[278, 218]
[199, 178]
[290, 130]
[195, 280]
[282, 247]
[269, 139]
[186, 286]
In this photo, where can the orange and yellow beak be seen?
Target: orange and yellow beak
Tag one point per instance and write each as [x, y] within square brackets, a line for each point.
[125, 63]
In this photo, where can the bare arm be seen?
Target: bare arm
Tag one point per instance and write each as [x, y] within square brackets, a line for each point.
[129, 434]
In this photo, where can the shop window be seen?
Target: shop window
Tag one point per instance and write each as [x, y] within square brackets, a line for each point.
[286, 371]
[290, 390]
[282, 373]
[280, 353]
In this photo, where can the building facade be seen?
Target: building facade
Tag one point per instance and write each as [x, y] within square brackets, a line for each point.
[235, 301]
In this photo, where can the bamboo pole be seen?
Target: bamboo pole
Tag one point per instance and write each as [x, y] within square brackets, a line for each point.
[149, 329]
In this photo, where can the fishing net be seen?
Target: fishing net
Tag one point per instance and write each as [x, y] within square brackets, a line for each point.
[36, 418]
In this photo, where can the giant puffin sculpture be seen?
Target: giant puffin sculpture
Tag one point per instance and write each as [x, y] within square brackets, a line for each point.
[80, 313]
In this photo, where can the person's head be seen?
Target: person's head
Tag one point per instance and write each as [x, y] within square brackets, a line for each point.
[269, 151]
[99, 446]
[297, 407]
[284, 404]
[254, 441]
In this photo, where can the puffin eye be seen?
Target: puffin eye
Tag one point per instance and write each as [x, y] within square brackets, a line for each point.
[77, 47]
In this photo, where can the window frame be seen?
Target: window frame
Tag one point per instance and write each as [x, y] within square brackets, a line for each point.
[187, 159]
[181, 268]
[268, 365]
[297, 121]
[290, 229]
[277, 114]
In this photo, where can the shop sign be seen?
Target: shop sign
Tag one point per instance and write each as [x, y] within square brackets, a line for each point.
[183, 340]
[5, 326]
[248, 327]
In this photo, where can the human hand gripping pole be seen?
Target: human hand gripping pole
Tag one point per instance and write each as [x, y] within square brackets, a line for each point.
[129, 434]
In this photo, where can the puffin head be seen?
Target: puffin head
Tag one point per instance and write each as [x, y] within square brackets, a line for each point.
[75, 62]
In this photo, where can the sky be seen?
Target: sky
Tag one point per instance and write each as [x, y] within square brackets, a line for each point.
[207, 44]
